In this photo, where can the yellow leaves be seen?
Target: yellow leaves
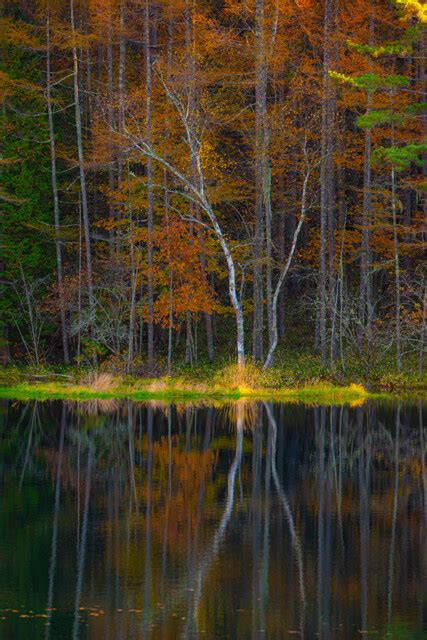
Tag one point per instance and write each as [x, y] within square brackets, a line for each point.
[211, 160]
[416, 8]
[19, 34]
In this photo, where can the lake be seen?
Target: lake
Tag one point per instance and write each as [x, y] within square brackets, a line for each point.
[123, 520]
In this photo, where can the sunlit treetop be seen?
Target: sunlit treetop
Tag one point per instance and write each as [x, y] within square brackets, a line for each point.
[416, 8]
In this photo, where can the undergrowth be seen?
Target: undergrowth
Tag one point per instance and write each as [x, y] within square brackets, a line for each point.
[292, 371]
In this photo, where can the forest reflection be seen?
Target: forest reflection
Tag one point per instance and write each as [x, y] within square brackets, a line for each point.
[125, 520]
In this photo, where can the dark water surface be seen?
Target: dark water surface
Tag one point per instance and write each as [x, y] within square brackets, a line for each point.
[123, 521]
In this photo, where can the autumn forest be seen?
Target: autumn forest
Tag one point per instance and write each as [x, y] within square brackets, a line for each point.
[186, 181]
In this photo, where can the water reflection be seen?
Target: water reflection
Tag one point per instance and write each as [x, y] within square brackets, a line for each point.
[123, 520]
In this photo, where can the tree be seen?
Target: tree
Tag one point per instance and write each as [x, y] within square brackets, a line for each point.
[399, 157]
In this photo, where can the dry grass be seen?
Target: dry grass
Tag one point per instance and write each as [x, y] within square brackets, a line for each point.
[100, 382]
[245, 378]
[157, 386]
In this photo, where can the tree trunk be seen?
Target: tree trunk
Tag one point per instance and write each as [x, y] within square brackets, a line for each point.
[260, 109]
[121, 86]
[84, 200]
[58, 244]
[325, 178]
[396, 270]
[273, 330]
[110, 121]
[422, 331]
[281, 256]
[133, 279]
[150, 213]
[365, 289]
[365, 276]
[396, 258]
[197, 194]
[170, 310]
[192, 107]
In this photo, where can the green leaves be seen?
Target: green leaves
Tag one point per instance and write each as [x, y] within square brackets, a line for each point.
[378, 118]
[383, 117]
[401, 157]
[402, 47]
[371, 82]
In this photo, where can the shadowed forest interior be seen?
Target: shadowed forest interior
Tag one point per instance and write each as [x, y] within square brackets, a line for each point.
[189, 181]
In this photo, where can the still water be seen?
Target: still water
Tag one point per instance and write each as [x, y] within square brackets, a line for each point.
[123, 521]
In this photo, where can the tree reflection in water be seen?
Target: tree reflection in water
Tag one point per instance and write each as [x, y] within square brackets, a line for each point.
[124, 520]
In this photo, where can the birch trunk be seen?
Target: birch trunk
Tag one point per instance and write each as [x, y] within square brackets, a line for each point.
[274, 331]
[196, 193]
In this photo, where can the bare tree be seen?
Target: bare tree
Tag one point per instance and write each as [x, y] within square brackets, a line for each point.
[196, 193]
[273, 330]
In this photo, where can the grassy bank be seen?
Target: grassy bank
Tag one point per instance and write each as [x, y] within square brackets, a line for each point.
[302, 379]
[177, 390]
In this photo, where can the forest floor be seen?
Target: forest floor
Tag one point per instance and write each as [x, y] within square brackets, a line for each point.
[298, 377]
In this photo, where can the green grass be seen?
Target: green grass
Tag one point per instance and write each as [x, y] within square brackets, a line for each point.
[325, 393]
[181, 390]
[297, 376]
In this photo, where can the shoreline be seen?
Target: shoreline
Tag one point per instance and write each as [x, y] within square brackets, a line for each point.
[300, 381]
[167, 391]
